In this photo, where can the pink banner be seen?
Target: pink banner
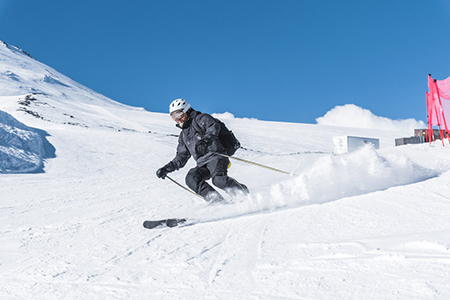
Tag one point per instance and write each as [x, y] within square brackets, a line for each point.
[444, 93]
[438, 109]
[444, 88]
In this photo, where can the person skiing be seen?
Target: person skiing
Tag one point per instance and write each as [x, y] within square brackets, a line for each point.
[204, 148]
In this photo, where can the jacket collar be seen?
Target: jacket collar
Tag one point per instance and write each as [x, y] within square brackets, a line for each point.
[191, 115]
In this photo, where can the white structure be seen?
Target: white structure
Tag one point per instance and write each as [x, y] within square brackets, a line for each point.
[345, 144]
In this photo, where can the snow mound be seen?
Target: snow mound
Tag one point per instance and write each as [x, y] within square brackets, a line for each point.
[21, 149]
[351, 115]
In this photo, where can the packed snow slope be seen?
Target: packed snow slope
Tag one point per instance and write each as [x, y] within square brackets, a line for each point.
[371, 224]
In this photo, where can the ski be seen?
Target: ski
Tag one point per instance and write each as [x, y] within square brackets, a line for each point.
[166, 222]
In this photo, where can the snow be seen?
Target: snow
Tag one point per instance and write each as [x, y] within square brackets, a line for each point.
[371, 224]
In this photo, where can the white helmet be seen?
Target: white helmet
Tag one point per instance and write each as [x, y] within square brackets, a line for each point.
[179, 104]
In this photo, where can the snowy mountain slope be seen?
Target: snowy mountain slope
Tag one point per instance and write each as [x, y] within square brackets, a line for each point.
[371, 224]
[46, 94]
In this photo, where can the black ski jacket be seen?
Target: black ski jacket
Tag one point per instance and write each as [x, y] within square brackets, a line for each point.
[189, 137]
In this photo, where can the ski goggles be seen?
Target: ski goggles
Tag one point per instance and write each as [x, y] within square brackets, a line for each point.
[177, 115]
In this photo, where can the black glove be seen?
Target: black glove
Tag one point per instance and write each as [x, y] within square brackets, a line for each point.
[202, 146]
[162, 172]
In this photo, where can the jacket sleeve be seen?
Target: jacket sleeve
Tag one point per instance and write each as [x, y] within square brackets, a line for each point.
[212, 131]
[182, 156]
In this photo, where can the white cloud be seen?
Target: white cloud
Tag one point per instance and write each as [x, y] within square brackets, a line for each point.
[351, 115]
[224, 116]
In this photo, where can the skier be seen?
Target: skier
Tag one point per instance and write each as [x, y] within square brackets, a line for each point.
[204, 149]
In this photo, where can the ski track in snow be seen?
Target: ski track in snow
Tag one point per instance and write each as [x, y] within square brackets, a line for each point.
[372, 224]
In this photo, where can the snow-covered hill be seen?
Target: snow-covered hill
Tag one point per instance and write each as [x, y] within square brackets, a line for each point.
[371, 224]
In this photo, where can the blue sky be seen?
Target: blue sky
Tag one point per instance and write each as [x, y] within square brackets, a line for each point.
[281, 60]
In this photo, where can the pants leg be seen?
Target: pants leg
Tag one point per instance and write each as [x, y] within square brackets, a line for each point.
[196, 181]
[218, 169]
[229, 184]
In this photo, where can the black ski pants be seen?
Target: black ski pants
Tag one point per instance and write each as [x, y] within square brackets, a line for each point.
[215, 169]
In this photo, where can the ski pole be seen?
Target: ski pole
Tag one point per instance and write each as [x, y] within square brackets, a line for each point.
[256, 164]
[183, 187]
